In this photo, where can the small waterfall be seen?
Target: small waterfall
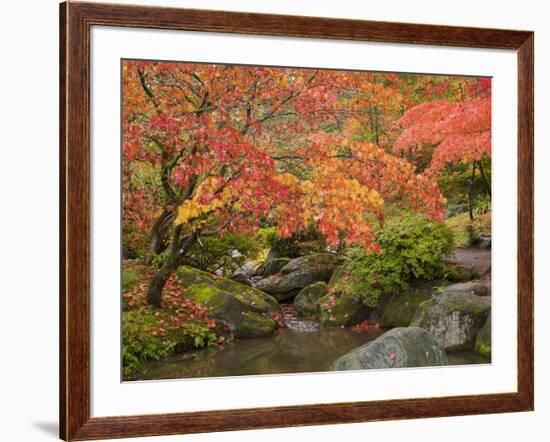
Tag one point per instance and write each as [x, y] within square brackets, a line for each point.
[295, 322]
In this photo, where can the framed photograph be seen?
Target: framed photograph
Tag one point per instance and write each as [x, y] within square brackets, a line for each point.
[272, 221]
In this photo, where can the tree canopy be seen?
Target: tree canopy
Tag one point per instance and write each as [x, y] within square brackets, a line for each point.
[217, 149]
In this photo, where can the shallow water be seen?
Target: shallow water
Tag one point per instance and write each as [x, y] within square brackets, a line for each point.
[303, 346]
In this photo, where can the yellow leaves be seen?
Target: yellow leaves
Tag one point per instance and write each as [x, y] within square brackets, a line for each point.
[190, 210]
[374, 198]
[287, 179]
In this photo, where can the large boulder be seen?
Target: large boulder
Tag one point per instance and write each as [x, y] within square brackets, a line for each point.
[337, 310]
[319, 264]
[305, 302]
[246, 311]
[298, 274]
[274, 266]
[401, 307]
[187, 276]
[460, 273]
[258, 300]
[247, 271]
[293, 247]
[483, 339]
[454, 319]
[479, 288]
[241, 279]
[240, 317]
[400, 347]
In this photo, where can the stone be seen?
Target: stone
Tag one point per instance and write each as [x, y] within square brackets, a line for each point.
[245, 310]
[483, 339]
[298, 274]
[342, 311]
[241, 279]
[305, 302]
[479, 288]
[454, 319]
[275, 265]
[241, 318]
[400, 347]
[401, 307]
[321, 263]
[460, 273]
[484, 242]
[188, 276]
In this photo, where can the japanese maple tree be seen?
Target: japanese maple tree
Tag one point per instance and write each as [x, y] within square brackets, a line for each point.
[459, 131]
[226, 147]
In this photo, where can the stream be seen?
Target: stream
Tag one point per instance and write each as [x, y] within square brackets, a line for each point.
[302, 346]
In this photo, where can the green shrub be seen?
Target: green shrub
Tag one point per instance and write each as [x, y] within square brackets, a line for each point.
[412, 248]
[228, 252]
[266, 237]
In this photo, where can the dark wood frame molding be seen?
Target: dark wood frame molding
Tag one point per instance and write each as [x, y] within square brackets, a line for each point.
[76, 19]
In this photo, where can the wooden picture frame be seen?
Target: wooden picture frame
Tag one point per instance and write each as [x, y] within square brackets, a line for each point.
[76, 20]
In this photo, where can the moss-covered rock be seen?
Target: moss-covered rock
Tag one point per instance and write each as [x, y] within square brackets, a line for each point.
[298, 274]
[305, 302]
[401, 307]
[240, 317]
[453, 319]
[337, 274]
[400, 347]
[460, 273]
[322, 264]
[345, 310]
[246, 311]
[479, 288]
[483, 339]
[188, 276]
[275, 265]
[256, 299]
[255, 325]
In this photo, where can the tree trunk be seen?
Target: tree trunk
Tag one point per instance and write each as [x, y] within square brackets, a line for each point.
[178, 248]
[471, 192]
[158, 241]
[484, 178]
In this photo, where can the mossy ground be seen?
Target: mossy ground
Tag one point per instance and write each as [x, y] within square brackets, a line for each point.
[153, 333]
[465, 231]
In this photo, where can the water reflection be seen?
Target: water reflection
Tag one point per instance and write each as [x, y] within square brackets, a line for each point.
[303, 346]
[291, 350]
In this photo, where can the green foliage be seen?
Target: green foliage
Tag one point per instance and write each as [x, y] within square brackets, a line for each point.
[141, 340]
[130, 278]
[144, 339]
[158, 258]
[134, 242]
[412, 250]
[226, 253]
[266, 237]
[467, 232]
[454, 182]
[461, 227]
